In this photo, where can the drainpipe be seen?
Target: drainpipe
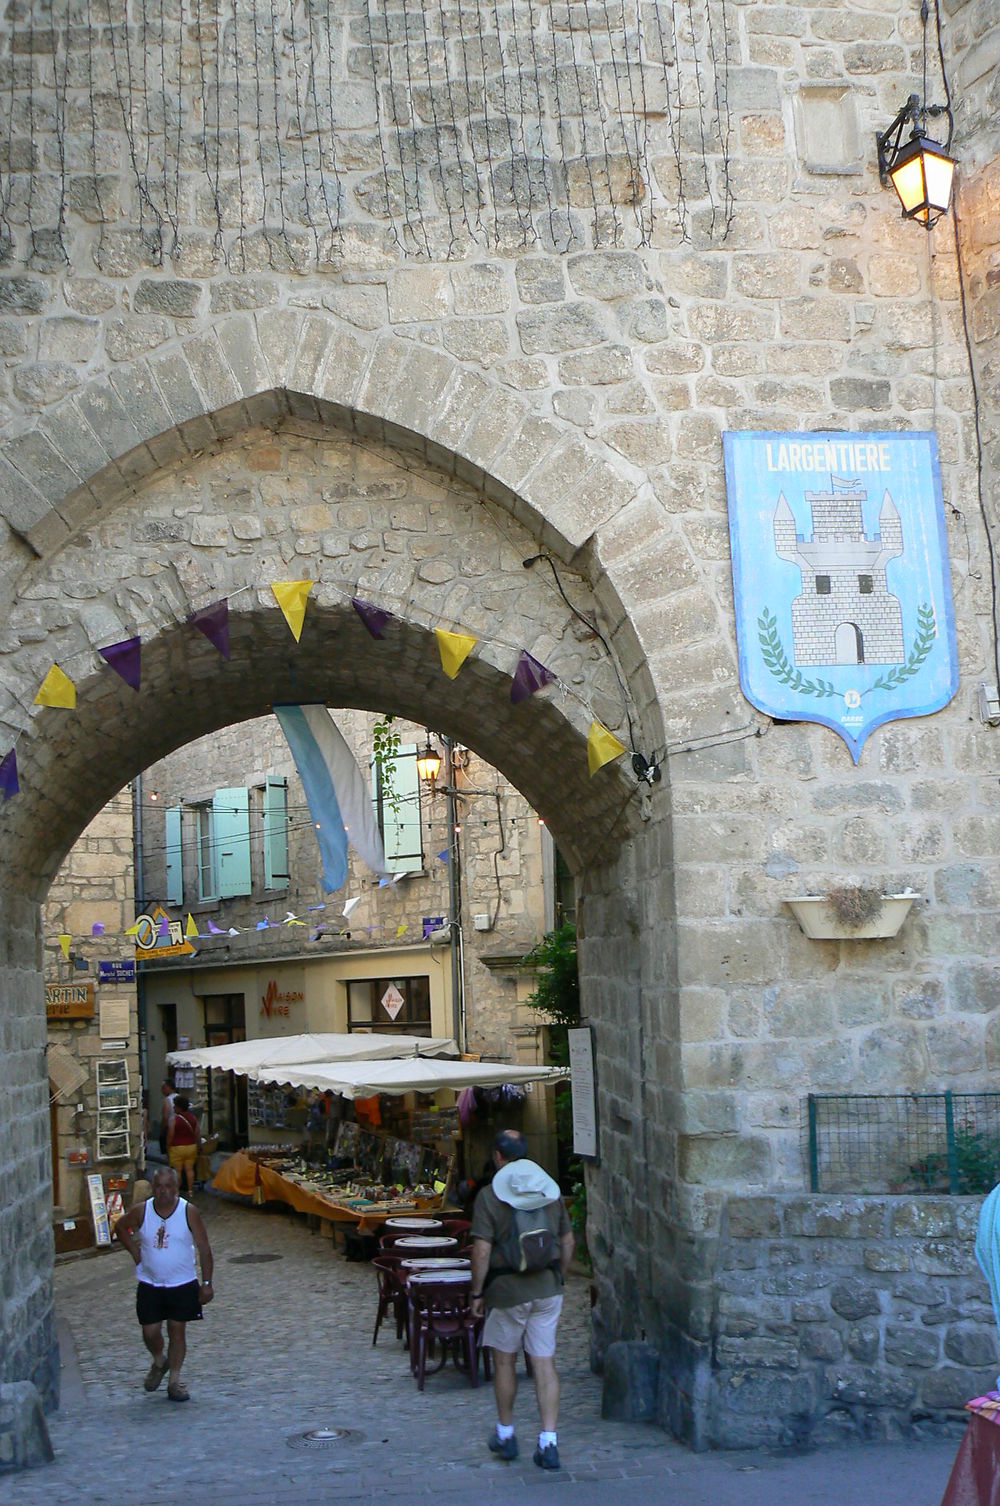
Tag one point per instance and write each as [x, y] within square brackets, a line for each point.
[139, 894]
[455, 902]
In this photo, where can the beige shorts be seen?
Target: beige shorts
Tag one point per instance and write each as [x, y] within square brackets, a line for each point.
[532, 1324]
[182, 1155]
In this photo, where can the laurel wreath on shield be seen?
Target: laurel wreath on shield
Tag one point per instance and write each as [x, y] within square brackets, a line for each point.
[774, 656]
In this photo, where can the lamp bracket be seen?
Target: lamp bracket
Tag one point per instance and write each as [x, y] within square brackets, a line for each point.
[888, 142]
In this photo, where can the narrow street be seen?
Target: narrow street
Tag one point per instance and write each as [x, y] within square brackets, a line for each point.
[286, 1349]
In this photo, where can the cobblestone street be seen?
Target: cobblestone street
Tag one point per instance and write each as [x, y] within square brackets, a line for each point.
[286, 1348]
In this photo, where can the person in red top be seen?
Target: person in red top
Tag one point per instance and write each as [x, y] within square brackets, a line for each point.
[183, 1142]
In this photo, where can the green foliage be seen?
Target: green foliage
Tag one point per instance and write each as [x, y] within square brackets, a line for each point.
[977, 1163]
[385, 748]
[557, 996]
[773, 653]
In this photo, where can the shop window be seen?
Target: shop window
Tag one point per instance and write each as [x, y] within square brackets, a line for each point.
[399, 818]
[174, 856]
[390, 1005]
[276, 833]
[822, 585]
[864, 585]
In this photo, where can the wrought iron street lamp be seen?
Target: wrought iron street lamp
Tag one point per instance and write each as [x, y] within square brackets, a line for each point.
[920, 169]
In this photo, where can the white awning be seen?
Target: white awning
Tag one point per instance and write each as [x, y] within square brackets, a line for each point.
[245, 1057]
[363, 1079]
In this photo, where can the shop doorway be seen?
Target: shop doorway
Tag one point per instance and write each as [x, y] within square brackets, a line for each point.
[226, 1107]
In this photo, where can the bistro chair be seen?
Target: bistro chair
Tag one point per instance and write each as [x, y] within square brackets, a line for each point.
[391, 1294]
[442, 1324]
[459, 1227]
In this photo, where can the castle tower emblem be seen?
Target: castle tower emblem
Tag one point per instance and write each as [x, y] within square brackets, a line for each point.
[845, 613]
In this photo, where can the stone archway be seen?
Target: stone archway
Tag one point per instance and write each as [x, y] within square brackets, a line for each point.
[146, 539]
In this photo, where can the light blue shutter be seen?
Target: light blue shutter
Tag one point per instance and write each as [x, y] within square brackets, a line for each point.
[231, 819]
[401, 829]
[175, 865]
[275, 833]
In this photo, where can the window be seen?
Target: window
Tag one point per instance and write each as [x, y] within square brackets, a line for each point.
[366, 1010]
[400, 825]
[174, 860]
[865, 585]
[224, 845]
[276, 833]
[822, 585]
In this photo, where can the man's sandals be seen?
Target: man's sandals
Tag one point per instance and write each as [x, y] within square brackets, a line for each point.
[177, 1391]
[155, 1376]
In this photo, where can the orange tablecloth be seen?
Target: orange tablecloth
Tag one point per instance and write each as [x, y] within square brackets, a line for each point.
[241, 1174]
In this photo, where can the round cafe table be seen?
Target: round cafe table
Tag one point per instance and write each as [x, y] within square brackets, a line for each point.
[437, 1263]
[451, 1276]
[415, 1225]
[438, 1243]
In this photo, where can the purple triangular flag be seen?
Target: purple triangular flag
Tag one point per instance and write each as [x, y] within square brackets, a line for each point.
[97, 929]
[374, 618]
[125, 659]
[214, 930]
[8, 776]
[213, 621]
[529, 676]
[163, 929]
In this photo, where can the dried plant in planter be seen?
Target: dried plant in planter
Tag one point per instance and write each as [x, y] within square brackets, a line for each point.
[855, 905]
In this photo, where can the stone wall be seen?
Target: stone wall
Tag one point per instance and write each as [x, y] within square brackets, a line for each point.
[837, 1316]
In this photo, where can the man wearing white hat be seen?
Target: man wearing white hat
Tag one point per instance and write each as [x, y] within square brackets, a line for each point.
[522, 1245]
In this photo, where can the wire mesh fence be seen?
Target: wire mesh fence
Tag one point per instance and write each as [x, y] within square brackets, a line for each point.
[904, 1142]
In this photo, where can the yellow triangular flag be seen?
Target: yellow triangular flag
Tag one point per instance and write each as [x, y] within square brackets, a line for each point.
[190, 929]
[64, 941]
[602, 747]
[454, 649]
[133, 930]
[401, 928]
[56, 689]
[291, 596]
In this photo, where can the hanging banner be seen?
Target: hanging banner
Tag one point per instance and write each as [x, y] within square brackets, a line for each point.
[840, 577]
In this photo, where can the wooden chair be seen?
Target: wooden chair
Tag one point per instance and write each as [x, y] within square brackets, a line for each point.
[441, 1320]
[391, 1294]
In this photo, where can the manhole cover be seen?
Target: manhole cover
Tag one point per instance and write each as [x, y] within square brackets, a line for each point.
[253, 1259]
[322, 1437]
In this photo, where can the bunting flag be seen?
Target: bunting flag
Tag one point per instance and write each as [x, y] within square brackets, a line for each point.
[125, 659]
[291, 596]
[336, 793]
[132, 930]
[262, 925]
[292, 920]
[163, 929]
[349, 906]
[443, 855]
[214, 930]
[374, 618]
[191, 929]
[97, 929]
[213, 621]
[401, 928]
[57, 689]
[602, 747]
[232, 931]
[529, 676]
[454, 649]
[64, 941]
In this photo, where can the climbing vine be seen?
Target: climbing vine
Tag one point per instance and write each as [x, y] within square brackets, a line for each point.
[385, 750]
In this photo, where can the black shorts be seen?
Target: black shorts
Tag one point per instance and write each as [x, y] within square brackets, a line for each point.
[176, 1304]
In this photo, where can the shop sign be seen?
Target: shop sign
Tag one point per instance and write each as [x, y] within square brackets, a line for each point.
[156, 935]
[276, 1004]
[69, 1001]
[116, 971]
[392, 1001]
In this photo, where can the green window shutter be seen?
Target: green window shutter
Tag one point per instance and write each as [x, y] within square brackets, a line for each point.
[401, 834]
[175, 866]
[231, 831]
[275, 833]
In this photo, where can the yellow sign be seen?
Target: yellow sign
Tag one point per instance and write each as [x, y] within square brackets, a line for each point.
[69, 1001]
[156, 935]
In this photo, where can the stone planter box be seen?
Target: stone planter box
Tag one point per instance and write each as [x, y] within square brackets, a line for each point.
[818, 919]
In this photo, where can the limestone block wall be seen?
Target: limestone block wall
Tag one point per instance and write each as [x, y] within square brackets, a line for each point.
[846, 1315]
[94, 886]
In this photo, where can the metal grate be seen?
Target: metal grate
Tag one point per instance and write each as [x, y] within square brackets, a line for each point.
[904, 1142]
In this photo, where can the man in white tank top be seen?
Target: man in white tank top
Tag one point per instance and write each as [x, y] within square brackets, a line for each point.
[162, 1235]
